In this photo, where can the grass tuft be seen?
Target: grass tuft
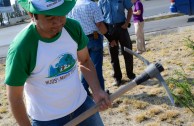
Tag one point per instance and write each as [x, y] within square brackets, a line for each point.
[189, 42]
[154, 111]
[180, 87]
[153, 124]
[138, 104]
[141, 117]
[3, 109]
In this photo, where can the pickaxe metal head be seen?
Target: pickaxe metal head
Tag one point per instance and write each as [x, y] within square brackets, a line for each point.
[153, 73]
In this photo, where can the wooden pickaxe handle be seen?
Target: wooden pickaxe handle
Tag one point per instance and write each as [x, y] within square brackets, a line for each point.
[95, 108]
[152, 71]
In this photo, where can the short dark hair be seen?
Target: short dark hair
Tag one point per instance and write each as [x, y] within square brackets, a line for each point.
[35, 16]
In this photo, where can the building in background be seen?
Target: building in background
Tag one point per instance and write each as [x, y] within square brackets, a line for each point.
[5, 6]
[11, 12]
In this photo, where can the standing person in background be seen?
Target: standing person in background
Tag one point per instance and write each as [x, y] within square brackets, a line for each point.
[91, 19]
[117, 24]
[1, 19]
[42, 64]
[139, 25]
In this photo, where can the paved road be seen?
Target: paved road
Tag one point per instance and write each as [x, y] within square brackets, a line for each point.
[166, 24]
[6, 36]
[3, 51]
[155, 7]
[152, 7]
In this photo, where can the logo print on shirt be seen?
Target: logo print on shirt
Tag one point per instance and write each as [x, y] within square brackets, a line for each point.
[63, 65]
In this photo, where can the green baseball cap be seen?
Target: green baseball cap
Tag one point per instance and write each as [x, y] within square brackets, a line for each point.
[48, 7]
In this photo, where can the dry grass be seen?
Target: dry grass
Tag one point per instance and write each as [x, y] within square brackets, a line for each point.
[141, 117]
[146, 104]
[154, 111]
[169, 115]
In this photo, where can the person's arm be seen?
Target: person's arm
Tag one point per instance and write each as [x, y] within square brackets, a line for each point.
[15, 97]
[98, 20]
[129, 15]
[138, 12]
[103, 29]
[89, 72]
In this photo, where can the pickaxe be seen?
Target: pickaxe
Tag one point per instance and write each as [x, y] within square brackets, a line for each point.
[157, 76]
[152, 70]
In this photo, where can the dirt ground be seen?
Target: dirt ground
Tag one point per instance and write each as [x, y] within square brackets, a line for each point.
[146, 104]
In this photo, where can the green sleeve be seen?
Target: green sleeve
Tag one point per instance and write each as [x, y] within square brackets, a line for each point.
[21, 58]
[76, 32]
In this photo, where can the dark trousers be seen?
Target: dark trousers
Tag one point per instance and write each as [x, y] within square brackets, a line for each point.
[121, 36]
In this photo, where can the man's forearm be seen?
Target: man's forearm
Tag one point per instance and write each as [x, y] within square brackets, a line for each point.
[129, 15]
[127, 21]
[15, 96]
[19, 112]
[103, 29]
[89, 72]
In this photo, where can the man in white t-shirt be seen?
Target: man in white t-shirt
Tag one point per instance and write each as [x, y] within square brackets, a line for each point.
[42, 63]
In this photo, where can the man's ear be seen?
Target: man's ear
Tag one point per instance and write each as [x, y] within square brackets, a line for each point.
[30, 14]
[34, 17]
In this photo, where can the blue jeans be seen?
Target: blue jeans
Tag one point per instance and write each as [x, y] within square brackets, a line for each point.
[93, 120]
[95, 48]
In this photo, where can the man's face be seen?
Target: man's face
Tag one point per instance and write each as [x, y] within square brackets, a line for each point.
[49, 26]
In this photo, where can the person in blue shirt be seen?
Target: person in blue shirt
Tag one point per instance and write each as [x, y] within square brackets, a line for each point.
[117, 24]
[91, 19]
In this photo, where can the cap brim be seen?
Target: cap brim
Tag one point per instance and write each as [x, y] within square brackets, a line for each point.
[61, 10]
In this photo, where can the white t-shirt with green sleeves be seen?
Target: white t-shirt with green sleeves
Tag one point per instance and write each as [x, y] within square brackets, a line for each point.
[48, 70]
